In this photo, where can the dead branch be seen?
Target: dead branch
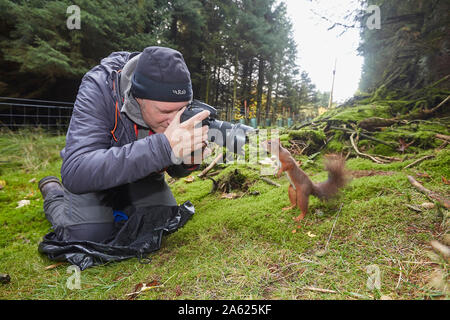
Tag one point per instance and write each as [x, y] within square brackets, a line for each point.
[443, 146]
[319, 290]
[310, 123]
[389, 158]
[363, 154]
[211, 165]
[418, 161]
[443, 137]
[270, 182]
[437, 107]
[374, 123]
[430, 194]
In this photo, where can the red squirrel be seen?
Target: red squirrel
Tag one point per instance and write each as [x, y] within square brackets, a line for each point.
[301, 186]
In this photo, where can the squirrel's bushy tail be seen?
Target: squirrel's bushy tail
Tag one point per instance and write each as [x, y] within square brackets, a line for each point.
[337, 178]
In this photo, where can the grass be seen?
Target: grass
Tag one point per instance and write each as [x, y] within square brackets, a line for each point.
[243, 248]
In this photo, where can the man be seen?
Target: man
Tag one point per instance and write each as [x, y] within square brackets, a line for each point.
[125, 131]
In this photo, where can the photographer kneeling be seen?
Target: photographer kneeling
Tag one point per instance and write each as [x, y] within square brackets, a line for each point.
[125, 131]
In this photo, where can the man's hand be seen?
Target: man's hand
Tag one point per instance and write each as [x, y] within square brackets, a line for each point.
[186, 137]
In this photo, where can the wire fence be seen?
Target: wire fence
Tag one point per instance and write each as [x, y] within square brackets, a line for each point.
[16, 113]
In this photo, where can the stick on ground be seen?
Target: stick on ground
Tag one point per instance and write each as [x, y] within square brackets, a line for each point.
[270, 182]
[211, 165]
[363, 154]
[430, 194]
[418, 161]
[320, 290]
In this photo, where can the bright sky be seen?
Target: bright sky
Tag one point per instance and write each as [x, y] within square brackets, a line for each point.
[318, 48]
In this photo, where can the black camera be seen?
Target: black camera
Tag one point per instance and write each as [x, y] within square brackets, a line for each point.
[232, 136]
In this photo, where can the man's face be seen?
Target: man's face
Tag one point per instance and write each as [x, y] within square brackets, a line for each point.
[159, 114]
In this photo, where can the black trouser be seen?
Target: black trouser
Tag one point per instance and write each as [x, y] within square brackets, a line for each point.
[90, 216]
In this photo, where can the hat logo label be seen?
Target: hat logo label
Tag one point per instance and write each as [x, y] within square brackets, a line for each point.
[179, 92]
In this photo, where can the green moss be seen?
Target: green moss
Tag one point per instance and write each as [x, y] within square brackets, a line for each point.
[337, 143]
[383, 150]
[362, 112]
[422, 139]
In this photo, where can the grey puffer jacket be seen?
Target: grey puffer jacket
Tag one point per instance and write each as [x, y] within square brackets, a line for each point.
[102, 150]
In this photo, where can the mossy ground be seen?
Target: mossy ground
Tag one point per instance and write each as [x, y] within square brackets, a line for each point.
[242, 248]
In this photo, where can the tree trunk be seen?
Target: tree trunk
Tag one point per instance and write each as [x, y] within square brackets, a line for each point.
[259, 89]
[236, 73]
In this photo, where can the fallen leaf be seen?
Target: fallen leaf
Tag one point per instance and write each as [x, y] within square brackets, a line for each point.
[22, 203]
[2, 184]
[31, 194]
[311, 235]
[445, 181]
[53, 266]
[423, 175]
[142, 287]
[294, 231]
[178, 291]
[32, 180]
[189, 179]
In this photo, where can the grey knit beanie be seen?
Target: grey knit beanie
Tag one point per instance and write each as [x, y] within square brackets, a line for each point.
[161, 74]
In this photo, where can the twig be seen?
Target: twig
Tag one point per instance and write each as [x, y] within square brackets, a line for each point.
[443, 146]
[270, 182]
[430, 194]
[443, 137]
[211, 165]
[319, 290]
[337, 216]
[400, 276]
[440, 105]
[418, 161]
[363, 154]
[413, 208]
[311, 123]
[388, 158]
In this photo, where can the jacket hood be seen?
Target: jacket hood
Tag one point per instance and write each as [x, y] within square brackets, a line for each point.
[130, 105]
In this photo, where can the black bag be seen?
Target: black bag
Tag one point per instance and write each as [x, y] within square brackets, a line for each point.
[140, 235]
